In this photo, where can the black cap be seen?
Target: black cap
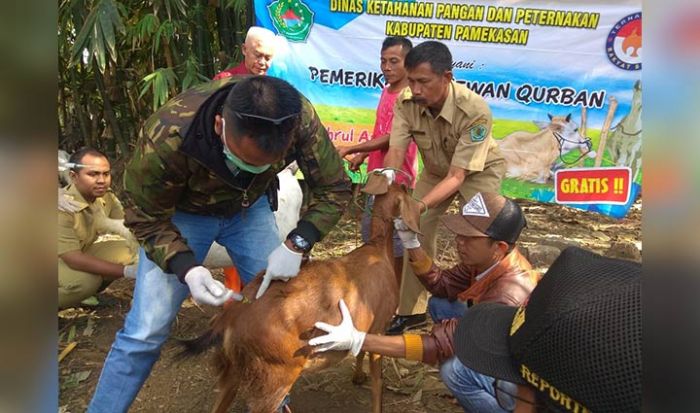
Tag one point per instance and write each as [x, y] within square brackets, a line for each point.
[577, 340]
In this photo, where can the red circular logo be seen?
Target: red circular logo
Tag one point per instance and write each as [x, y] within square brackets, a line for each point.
[624, 43]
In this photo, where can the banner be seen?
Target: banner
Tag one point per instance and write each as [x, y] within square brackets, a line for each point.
[562, 80]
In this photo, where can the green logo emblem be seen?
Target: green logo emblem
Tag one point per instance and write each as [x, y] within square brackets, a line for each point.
[478, 133]
[291, 18]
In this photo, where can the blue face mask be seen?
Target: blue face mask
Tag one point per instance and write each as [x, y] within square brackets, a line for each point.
[233, 160]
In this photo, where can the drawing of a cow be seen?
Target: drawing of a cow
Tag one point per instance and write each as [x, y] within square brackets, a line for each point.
[531, 156]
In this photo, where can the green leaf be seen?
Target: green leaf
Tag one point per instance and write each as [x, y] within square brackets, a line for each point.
[98, 34]
[71, 334]
[116, 11]
[89, 328]
[156, 39]
[166, 30]
[83, 40]
[74, 379]
[192, 74]
[98, 48]
[147, 25]
[159, 83]
[108, 33]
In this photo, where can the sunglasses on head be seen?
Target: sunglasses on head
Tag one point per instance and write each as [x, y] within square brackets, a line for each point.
[275, 122]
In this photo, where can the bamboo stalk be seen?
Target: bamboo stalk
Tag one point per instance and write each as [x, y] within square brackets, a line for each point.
[83, 120]
[63, 122]
[109, 111]
[203, 41]
[169, 62]
[226, 37]
[604, 132]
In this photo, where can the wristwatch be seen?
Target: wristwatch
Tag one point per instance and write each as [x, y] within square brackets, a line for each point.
[299, 242]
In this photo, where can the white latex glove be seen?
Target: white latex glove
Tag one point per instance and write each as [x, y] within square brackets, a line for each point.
[341, 337]
[390, 175]
[282, 264]
[206, 290]
[130, 271]
[65, 203]
[409, 239]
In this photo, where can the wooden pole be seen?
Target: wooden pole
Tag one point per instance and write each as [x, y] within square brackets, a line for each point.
[582, 133]
[604, 132]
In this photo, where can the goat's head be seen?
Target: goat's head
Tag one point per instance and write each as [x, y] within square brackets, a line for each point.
[392, 201]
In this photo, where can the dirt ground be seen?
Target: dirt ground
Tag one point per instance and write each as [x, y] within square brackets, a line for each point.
[86, 333]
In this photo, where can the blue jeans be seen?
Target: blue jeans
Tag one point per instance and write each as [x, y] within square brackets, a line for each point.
[249, 237]
[474, 391]
[442, 309]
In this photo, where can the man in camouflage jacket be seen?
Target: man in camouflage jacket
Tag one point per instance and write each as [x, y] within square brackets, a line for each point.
[204, 170]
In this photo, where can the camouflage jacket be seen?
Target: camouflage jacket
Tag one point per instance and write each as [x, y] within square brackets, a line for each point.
[178, 164]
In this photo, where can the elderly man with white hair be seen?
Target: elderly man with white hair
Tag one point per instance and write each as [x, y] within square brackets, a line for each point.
[258, 51]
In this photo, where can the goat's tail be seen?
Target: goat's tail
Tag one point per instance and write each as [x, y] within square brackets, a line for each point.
[199, 345]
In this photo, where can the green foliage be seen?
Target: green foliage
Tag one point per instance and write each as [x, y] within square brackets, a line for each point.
[119, 60]
[159, 83]
[142, 31]
[98, 33]
[165, 32]
[173, 7]
[192, 74]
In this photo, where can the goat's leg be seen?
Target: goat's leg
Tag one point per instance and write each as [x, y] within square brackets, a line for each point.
[270, 402]
[229, 380]
[359, 376]
[270, 387]
[375, 371]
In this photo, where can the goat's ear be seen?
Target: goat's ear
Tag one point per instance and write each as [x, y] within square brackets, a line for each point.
[410, 212]
[377, 184]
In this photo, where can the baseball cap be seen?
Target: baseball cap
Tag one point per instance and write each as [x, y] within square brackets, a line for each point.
[488, 214]
[577, 341]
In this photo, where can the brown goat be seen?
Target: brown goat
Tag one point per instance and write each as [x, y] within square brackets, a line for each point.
[264, 343]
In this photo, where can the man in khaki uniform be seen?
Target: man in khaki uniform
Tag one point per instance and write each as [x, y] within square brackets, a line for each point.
[85, 266]
[451, 125]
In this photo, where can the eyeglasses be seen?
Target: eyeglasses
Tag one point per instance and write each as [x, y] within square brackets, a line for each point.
[507, 393]
[275, 122]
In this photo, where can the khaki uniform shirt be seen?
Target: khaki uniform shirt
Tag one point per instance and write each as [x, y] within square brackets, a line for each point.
[459, 136]
[77, 231]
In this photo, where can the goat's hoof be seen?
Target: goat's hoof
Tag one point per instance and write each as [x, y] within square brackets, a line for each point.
[359, 378]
